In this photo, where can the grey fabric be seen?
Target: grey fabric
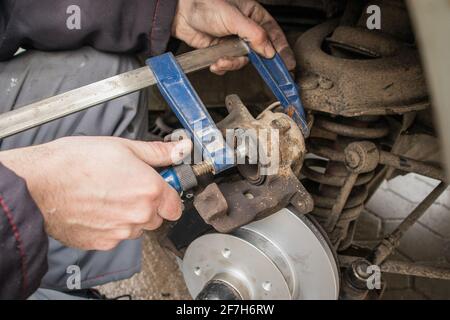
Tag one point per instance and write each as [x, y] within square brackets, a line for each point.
[34, 75]
[129, 26]
[47, 294]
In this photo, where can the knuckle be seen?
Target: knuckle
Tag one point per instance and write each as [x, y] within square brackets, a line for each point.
[158, 224]
[122, 234]
[174, 215]
[140, 217]
[136, 234]
[155, 191]
[172, 211]
[260, 36]
[106, 245]
[160, 149]
[155, 224]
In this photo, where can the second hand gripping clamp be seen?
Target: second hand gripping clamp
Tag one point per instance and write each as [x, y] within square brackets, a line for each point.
[193, 115]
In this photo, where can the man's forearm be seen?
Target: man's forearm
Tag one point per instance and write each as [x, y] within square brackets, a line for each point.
[109, 25]
[23, 241]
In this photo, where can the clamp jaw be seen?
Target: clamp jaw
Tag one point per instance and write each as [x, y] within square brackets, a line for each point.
[193, 115]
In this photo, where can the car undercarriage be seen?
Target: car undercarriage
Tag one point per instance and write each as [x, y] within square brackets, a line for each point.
[295, 234]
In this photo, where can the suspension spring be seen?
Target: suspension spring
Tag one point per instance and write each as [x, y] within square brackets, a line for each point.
[340, 191]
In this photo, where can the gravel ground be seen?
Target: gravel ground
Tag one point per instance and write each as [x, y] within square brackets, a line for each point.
[160, 278]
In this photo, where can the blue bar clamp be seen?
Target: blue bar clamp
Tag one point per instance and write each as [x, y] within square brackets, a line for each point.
[193, 115]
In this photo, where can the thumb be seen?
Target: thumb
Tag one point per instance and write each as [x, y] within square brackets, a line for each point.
[161, 154]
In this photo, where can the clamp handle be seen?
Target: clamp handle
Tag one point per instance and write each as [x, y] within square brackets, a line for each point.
[277, 77]
[191, 112]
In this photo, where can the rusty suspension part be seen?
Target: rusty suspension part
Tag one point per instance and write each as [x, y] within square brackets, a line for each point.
[360, 152]
[340, 183]
[339, 191]
[415, 269]
[390, 242]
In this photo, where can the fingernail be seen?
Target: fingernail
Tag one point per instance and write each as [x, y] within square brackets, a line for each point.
[288, 57]
[269, 51]
[185, 144]
[181, 150]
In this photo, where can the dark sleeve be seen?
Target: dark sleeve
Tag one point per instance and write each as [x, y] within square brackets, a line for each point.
[23, 241]
[121, 26]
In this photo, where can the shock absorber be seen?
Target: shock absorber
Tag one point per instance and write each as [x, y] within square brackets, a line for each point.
[338, 177]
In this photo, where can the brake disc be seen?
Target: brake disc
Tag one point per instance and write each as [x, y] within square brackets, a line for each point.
[284, 256]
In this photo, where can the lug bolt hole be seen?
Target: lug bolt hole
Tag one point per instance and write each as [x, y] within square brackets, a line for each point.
[226, 253]
[249, 196]
[267, 285]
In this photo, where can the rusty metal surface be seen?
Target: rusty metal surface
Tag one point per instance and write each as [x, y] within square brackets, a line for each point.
[339, 182]
[340, 185]
[375, 74]
[356, 83]
[406, 164]
[415, 269]
[253, 196]
[391, 241]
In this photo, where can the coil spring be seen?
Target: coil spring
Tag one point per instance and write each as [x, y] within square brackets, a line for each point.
[326, 176]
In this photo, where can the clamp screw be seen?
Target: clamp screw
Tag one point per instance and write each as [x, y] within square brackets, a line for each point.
[203, 168]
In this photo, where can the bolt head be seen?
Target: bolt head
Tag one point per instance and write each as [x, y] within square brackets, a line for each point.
[352, 159]
[281, 124]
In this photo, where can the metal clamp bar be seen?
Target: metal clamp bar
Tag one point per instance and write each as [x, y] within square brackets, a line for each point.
[93, 94]
[279, 80]
[190, 111]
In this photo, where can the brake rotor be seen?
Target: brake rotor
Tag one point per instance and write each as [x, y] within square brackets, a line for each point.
[284, 256]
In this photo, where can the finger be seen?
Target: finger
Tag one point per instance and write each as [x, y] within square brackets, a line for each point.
[104, 245]
[177, 135]
[246, 28]
[126, 233]
[257, 13]
[170, 205]
[289, 58]
[278, 39]
[136, 233]
[228, 64]
[159, 154]
[155, 222]
[218, 72]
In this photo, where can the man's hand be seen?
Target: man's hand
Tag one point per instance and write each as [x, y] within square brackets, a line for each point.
[95, 192]
[201, 23]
